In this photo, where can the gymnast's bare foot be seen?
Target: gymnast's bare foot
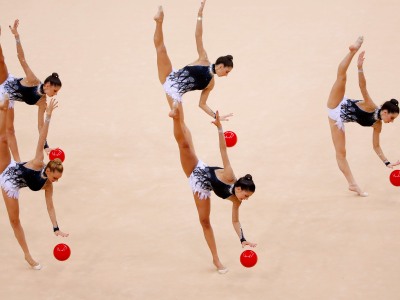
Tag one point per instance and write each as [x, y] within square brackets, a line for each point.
[357, 45]
[159, 17]
[356, 188]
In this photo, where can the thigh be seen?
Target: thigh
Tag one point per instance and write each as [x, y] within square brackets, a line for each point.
[203, 207]
[337, 93]
[12, 206]
[338, 137]
[10, 119]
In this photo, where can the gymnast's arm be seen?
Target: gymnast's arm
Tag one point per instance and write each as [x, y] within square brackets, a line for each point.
[363, 83]
[227, 174]
[377, 148]
[236, 224]
[199, 35]
[50, 209]
[37, 162]
[30, 79]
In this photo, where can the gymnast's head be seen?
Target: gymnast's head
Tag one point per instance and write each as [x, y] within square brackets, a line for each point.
[244, 187]
[52, 85]
[54, 170]
[223, 65]
[389, 111]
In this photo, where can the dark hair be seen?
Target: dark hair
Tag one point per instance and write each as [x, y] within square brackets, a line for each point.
[53, 80]
[245, 183]
[227, 61]
[391, 106]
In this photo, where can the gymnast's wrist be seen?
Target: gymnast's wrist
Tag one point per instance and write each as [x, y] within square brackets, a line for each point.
[360, 70]
[220, 130]
[386, 162]
[55, 228]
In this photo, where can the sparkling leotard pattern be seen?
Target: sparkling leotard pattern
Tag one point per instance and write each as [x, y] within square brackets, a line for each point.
[17, 176]
[203, 180]
[348, 111]
[17, 92]
[187, 79]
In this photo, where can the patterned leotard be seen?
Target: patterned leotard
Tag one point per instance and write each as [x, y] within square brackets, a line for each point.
[187, 79]
[17, 176]
[203, 180]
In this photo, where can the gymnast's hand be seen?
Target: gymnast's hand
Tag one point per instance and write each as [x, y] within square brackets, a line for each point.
[247, 243]
[14, 29]
[391, 165]
[60, 233]
[52, 106]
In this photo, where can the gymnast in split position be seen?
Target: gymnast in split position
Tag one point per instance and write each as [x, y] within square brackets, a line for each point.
[198, 75]
[364, 112]
[204, 179]
[28, 89]
[33, 174]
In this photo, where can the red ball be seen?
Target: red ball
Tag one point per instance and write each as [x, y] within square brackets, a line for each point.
[230, 138]
[395, 177]
[57, 153]
[248, 258]
[62, 252]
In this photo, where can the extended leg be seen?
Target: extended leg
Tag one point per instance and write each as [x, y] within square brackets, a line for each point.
[13, 214]
[339, 87]
[5, 156]
[3, 66]
[203, 209]
[12, 140]
[339, 141]
[183, 138]
[163, 62]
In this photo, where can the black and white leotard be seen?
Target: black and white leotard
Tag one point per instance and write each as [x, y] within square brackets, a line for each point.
[17, 92]
[187, 79]
[17, 176]
[348, 111]
[203, 180]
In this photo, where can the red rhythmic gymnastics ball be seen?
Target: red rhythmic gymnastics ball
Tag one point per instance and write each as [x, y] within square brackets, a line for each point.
[395, 177]
[62, 252]
[248, 258]
[57, 153]
[230, 138]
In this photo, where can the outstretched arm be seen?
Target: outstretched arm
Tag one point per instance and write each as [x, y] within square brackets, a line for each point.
[38, 160]
[52, 211]
[362, 82]
[30, 76]
[237, 226]
[377, 147]
[199, 33]
[203, 103]
[228, 175]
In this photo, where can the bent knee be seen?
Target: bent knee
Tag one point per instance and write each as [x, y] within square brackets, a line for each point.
[205, 222]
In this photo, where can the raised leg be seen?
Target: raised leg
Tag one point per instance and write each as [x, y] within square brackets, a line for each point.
[203, 209]
[13, 214]
[339, 141]
[339, 87]
[5, 156]
[12, 140]
[163, 62]
[3, 66]
[183, 138]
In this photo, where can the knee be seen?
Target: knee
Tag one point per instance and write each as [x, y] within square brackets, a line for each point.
[10, 130]
[3, 139]
[184, 145]
[341, 155]
[15, 223]
[205, 223]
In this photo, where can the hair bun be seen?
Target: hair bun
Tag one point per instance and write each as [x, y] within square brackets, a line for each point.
[230, 57]
[54, 75]
[394, 101]
[248, 177]
[58, 161]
